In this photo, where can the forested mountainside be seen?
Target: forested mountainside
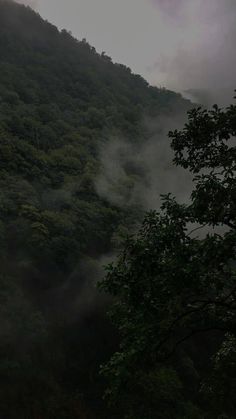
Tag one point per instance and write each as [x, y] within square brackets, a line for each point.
[60, 101]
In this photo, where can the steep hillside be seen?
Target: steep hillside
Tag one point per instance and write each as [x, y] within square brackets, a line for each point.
[60, 101]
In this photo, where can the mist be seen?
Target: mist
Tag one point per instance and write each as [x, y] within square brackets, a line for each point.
[137, 174]
[203, 65]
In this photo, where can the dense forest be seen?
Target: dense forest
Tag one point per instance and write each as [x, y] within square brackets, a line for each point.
[61, 103]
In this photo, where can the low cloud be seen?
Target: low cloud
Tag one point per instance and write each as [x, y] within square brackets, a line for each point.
[137, 174]
[203, 64]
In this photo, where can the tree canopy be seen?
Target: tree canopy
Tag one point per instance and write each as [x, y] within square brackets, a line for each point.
[174, 288]
[60, 102]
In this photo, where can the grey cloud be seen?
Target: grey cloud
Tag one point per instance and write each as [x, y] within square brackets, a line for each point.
[173, 8]
[205, 64]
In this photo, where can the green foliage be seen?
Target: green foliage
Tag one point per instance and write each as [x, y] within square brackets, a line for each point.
[175, 292]
[59, 102]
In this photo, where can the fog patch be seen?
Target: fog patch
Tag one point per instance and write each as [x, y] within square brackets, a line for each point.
[138, 173]
[203, 63]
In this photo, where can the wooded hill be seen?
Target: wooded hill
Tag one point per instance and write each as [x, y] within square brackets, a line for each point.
[60, 101]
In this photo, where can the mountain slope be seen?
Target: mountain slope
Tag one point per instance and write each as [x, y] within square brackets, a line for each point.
[60, 101]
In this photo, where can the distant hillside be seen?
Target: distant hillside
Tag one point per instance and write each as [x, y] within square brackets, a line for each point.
[59, 101]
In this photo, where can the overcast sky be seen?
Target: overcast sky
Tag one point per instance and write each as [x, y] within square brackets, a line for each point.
[132, 32]
[181, 44]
